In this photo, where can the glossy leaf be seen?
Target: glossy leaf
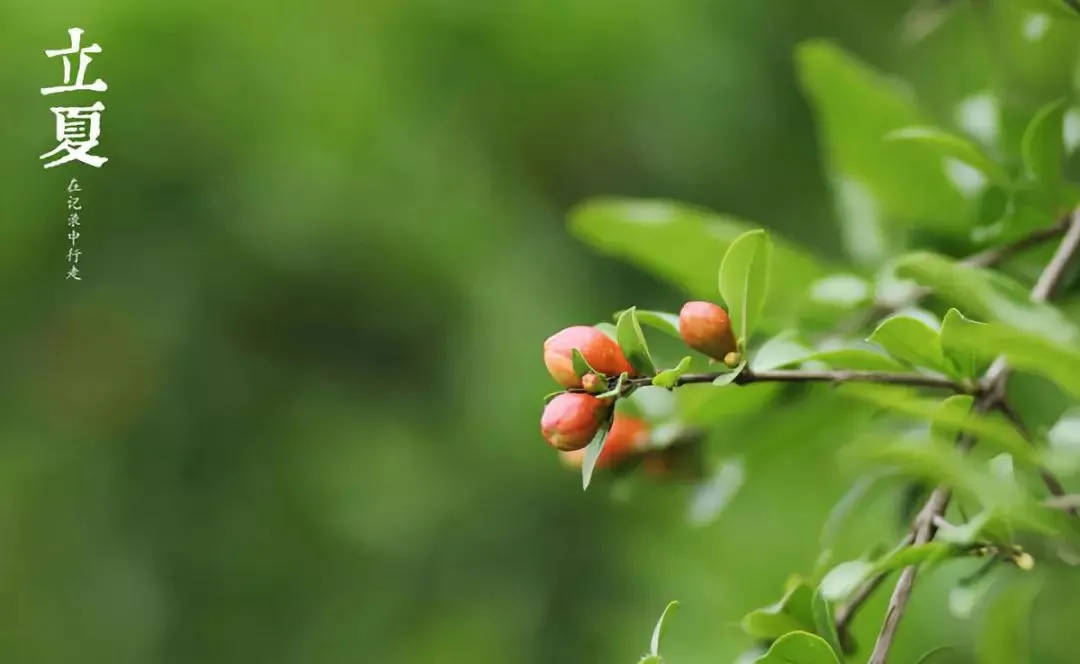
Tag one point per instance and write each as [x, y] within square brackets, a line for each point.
[581, 365]
[630, 338]
[799, 648]
[951, 146]
[668, 377]
[744, 280]
[912, 341]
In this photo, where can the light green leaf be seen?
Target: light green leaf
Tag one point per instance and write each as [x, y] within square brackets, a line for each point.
[792, 612]
[654, 643]
[843, 579]
[1042, 146]
[952, 416]
[799, 648]
[952, 146]
[684, 245]
[1058, 362]
[859, 359]
[658, 320]
[617, 390]
[632, 341]
[825, 623]
[651, 659]
[1003, 635]
[744, 280]
[911, 340]
[929, 654]
[668, 377]
[551, 395]
[592, 452]
[581, 365]
[964, 359]
[780, 351]
[986, 294]
[606, 328]
[729, 377]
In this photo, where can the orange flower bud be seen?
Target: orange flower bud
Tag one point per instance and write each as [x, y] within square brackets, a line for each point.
[598, 349]
[571, 419]
[628, 436]
[706, 327]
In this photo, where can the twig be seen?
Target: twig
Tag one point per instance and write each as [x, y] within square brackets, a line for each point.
[993, 393]
[748, 376]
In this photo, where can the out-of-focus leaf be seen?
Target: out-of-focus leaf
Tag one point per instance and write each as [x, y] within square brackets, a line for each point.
[592, 453]
[581, 365]
[1003, 635]
[658, 631]
[651, 659]
[658, 320]
[744, 274]
[844, 578]
[780, 351]
[632, 341]
[684, 245]
[844, 291]
[824, 623]
[929, 654]
[668, 377]
[911, 340]
[952, 415]
[873, 179]
[1060, 362]
[1069, 8]
[712, 496]
[606, 328]
[987, 294]
[792, 612]
[963, 357]
[799, 648]
[1042, 146]
[729, 377]
[859, 359]
[952, 146]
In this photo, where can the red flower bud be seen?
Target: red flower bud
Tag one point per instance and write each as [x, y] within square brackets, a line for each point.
[598, 349]
[571, 419]
[628, 436]
[706, 327]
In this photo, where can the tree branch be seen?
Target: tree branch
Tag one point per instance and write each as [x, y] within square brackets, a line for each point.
[748, 376]
[993, 393]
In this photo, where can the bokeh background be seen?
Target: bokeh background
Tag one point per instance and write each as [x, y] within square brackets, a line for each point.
[291, 412]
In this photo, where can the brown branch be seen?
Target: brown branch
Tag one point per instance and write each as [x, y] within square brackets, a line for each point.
[993, 393]
[748, 376]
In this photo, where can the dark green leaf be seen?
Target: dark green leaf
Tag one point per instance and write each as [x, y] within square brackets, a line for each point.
[799, 648]
[744, 276]
[632, 341]
[668, 377]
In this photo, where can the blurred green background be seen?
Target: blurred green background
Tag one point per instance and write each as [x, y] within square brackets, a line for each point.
[291, 412]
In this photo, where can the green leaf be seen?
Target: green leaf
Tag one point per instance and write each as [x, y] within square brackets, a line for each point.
[551, 395]
[581, 365]
[654, 643]
[792, 612]
[744, 274]
[987, 294]
[825, 623]
[729, 377]
[873, 180]
[1003, 635]
[617, 390]
[780, 351]
[668, 377]
[964, 359]
[912, 341]
[1042, 146]
[658, 320]
[844, 578]
[632, 341]
[683, 245]
[592, 451]
[951, 146]
[926, 656]
[856, 358]
[799, 648]
[1025, 351]
[606, 328]
[651, 659]
[952, 416]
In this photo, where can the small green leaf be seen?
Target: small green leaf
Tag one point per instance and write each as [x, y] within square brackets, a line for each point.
[592, 451]
[581, 365]
[551, 395]
[668, 377]
[825, 623]
[658, 631]
[632, 341]
[950, 146]
[606, 328]
[792, 612]
[1042, 146]
[963, 358]
[729, 377]
[799, 648]
[617, 390]
[658, 320]
[744, 281]
[912, 341]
